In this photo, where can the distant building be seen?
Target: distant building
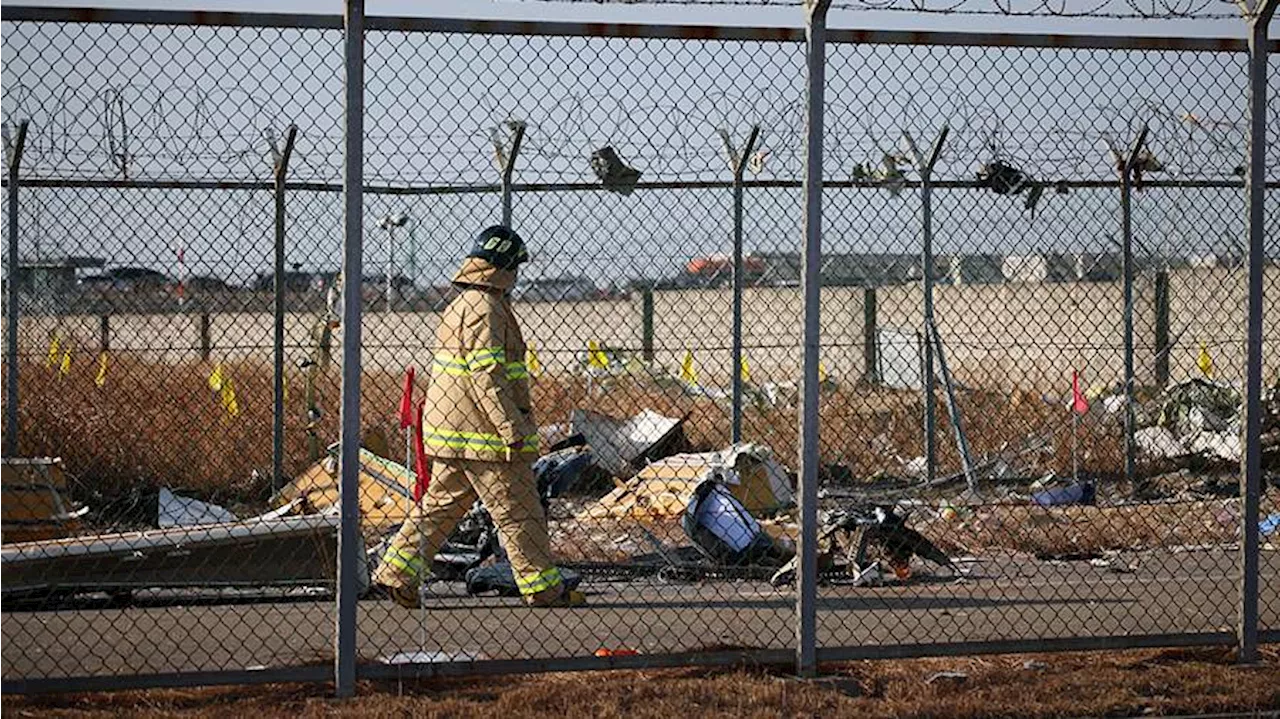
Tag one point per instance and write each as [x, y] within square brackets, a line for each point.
[1063, 267]
[984, 269]
[557, 289]
[1046, 267]
[865, 269]
[295, 281]
[50, 286]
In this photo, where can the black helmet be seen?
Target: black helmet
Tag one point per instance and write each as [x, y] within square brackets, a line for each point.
[500, 246]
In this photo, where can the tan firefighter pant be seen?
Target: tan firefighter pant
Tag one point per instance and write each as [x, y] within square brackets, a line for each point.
[509, 492]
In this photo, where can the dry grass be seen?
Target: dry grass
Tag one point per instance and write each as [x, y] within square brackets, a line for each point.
[1061, 531]
[159, 424]
[1151, 682]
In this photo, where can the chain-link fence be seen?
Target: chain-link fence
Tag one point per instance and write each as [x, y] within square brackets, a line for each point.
[179, 213]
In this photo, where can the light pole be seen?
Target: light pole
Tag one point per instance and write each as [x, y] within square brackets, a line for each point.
[390, 223]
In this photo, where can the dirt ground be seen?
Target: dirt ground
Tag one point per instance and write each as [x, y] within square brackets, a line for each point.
[1140, 682]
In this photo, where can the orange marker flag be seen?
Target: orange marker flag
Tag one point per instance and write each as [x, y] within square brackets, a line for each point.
[1079, 404]
[406, 401]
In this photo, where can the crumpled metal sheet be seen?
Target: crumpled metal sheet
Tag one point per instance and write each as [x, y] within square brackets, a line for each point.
[618, 444]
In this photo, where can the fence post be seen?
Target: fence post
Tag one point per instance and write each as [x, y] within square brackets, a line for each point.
[1251, 471]
[870, 327]
[280, 172]
[737, 163]
[349, 542]
[104, 332]
[646, 322]
[1126, 164]
[925, 167]
[206, 338]
[810, 282]
[508, 167]
[14, 152]
[1162, 328]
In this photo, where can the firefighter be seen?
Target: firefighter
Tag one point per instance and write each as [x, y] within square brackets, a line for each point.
[480, 432]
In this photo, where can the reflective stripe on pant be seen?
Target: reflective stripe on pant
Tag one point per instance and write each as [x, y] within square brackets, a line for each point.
[508, 491]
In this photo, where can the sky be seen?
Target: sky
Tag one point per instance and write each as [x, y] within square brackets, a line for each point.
[196, 103]
[707, 14]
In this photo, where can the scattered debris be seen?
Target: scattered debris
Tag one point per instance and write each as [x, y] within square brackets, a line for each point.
[1075, 493]
[947, 678]
[437, 657]
[1158, 442]
[847, 537]
[1269, 525]
[1003, 179]
[622, 446]
[1113, 563]
[665, 488]
[1196, 417]
[915, 467]
[245, 554]
[722, 528]
[386, 490]
[871, 576]
[887, 174]
[500, 578]
[173, 510]
[32, 506]
[614, 174]
[1034, 665]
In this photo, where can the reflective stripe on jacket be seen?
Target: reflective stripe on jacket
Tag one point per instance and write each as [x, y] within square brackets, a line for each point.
[478, 402]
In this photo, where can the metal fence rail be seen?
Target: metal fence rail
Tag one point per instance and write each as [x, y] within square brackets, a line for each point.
[1050, 229]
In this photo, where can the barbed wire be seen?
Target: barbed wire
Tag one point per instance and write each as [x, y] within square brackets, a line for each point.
[1110, 9]
[671, 143]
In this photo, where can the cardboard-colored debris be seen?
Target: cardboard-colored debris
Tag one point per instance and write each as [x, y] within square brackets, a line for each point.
[386, 490]
[663, 489]
[31, 501]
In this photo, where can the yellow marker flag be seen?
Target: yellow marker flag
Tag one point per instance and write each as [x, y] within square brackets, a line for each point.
[229, 402]
[101, 379]
[65, 367]
[687, 373]
[532, 363]
[215, 378]
[822, 372]
[54, 351]
[220, 383]
[1205, 362]
[595, 356]
[745, 370]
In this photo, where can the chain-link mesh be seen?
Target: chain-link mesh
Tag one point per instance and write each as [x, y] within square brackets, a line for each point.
[1161, 9]
[146, 236]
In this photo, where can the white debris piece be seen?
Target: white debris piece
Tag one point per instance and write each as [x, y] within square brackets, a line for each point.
[437, 657]
[1224, 445]
[1158, 442]
[178, 511]
[915, 467]
[617, 443]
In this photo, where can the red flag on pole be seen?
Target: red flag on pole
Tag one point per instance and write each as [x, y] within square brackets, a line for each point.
[421, 467]
[1079, 404]
[406, 401]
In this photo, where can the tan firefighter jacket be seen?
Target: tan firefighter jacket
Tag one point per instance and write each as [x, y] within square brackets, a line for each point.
[478, 402]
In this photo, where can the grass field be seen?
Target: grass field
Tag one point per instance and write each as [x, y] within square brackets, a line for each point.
[153, 424]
